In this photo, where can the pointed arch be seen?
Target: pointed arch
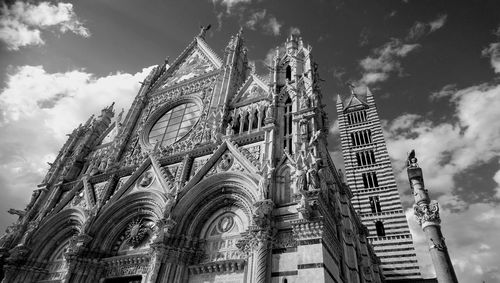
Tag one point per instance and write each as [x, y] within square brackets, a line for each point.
[283, 192]
[56, 230]
[211, 194]
[288, 72]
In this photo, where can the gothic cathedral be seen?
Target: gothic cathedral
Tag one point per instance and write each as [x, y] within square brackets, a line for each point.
[213, 175]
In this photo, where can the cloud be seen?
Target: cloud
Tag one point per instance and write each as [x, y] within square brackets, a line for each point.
[493, 51]
[445, 91]
[22, 23]
[38, 109]
[446, 150]
[230, 4]
[364, 36]
[420, 29]
[294, 31]
[438, 23]
[385, 60]
[255, 18]
[273, 26]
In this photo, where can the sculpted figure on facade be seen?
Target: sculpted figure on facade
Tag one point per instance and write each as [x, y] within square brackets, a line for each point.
[229, 129]
[313, 177]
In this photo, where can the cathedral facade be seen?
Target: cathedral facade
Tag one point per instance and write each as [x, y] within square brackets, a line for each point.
[213, 175]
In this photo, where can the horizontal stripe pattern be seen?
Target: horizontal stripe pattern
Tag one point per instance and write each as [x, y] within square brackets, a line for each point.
[396, 249]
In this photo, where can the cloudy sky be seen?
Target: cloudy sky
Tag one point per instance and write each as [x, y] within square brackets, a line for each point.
[434, 67]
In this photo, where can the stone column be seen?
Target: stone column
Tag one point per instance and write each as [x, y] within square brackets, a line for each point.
[258, 239]
[427, 214]
[260, 256]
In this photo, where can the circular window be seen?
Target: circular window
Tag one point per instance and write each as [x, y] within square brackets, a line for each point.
[174, 124]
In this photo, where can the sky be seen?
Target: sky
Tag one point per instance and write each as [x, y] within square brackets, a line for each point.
[433, 67]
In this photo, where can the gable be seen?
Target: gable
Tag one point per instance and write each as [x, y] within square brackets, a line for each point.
[354, 101]
[227, 157]
[194, 64]
[253, 89]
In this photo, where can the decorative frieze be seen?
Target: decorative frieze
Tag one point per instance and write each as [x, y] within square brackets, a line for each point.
[127, 265]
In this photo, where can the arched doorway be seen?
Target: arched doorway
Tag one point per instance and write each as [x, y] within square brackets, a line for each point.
[222, 260]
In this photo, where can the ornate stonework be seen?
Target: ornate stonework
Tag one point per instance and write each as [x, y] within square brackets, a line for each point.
[214, 175]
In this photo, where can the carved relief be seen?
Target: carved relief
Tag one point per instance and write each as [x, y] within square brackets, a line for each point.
[225, 162]
[195, 65]
[145, 180]
[79, 200]
[136, 232]
[99, 190]
[285, 240]
[427, 214]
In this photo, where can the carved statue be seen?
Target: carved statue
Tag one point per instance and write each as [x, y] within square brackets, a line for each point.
[304, 102]
[314, 137]
[229, 129]
[301, 179]
[102, 165]
[203, 31]
[172, 200]
[412, 160]
[313, 178]
[263, 187]
[304, 127]
[269, 112]
[314, 99]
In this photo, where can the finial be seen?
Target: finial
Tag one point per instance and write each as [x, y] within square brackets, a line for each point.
[166, 60]
[240, 31]
[412, 160]
[351, 87]
[203, 31]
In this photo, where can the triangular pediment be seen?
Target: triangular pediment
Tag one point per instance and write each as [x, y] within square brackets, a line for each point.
[253, 89]
[226, 158]
[354, 101]
[145, 178]
[196, 60]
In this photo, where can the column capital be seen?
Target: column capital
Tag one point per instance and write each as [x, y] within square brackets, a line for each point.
[427, 214]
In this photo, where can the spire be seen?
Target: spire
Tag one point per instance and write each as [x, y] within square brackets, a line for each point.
[339, 99]
[427, 214]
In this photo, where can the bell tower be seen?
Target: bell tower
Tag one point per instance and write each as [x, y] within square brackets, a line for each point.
[370, 176]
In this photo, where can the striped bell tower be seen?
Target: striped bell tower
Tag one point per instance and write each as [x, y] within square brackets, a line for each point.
[370, 176]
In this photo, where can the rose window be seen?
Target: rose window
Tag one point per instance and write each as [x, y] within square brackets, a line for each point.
[174, 124]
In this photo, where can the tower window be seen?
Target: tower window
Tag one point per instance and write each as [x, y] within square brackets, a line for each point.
[370, 180]
[361, 137]
[375, 204]
[289, 73]
[365, 158]
[380, 228]
[356, 117]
